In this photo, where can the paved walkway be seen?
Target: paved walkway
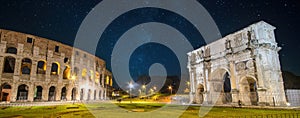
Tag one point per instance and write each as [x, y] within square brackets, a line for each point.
[113, 101]
[49, 103]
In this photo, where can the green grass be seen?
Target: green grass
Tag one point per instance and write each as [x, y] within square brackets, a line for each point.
[144, 110]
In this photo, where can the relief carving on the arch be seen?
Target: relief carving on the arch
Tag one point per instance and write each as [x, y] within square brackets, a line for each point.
[270, 34]
[238, 41]
[240, 66]
[207, 65]
[228, 44]
[207, 52]
[200, 54]
[250, 64]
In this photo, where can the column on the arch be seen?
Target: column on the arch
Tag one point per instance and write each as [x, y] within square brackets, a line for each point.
[192, 90]
[233, 80]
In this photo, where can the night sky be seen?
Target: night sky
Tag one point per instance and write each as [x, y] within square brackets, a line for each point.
[60, 19]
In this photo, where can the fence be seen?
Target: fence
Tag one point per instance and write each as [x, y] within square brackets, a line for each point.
[293, 97]
[284, 115]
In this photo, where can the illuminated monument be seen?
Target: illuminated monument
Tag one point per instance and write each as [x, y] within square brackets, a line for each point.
[241, 67]
[38, 69]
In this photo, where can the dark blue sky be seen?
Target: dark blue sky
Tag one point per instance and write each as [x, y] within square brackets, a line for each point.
[59, 20]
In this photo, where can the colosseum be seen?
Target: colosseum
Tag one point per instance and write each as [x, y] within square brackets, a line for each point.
[39, 69]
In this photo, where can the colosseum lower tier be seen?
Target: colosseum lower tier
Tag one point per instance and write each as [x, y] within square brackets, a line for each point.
[39, 69]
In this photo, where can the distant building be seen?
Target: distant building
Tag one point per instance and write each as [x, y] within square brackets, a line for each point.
[38, 69]
[243, 66]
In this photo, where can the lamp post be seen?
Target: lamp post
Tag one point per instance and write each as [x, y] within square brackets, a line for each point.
[130, 88]
[170, 88]
[144, 89]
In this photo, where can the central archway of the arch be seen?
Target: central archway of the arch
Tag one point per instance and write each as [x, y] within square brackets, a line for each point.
[221, 88]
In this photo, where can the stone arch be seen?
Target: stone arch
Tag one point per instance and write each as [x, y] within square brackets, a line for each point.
[22, 93]
[5, 92]
[11, 50]
[67, 72]
[41, 67]
[26, 66]
[52, 93]
[38, 93]
[9, 64]
[248, 90]
[63, 95]
[55, 68]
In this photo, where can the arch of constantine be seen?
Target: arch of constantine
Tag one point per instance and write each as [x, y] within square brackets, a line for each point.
[242, 67]
[38, 69]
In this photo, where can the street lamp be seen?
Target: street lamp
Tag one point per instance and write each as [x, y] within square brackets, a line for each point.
[144, 89]
[154, 87]
[170, 88]
[130, 87]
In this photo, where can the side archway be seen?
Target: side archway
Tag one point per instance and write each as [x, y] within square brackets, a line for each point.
[248, 91]
[200, 93]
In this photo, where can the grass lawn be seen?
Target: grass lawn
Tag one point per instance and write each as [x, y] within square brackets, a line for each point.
[127, 110]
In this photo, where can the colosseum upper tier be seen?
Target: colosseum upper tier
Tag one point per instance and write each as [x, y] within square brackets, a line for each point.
[39, 69]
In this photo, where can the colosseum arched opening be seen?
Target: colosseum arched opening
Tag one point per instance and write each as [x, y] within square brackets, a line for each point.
[55, 68]
[81, 94]
[95, 94]
[38, 95]
[74, 94]
[12, 50]
[22, 94]
[5, 92]
[52, 93]
[89, 94]
[26, 66]
[9, 64]
[41, 67]
[63, 93]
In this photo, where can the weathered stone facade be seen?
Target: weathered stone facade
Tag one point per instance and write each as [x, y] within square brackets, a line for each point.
[38, 69]
[242, 67]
